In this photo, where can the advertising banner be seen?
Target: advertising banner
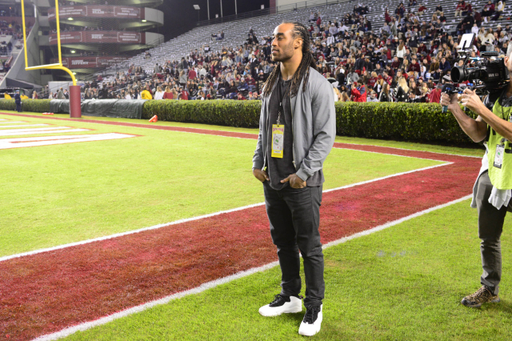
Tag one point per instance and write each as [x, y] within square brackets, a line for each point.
[88, 62]
[97, 11]
[99, 37]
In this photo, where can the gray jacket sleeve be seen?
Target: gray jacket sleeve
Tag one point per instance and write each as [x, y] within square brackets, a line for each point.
[324, 127]
[258, 158]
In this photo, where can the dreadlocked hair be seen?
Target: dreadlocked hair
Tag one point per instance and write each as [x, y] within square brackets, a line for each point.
[298, 31]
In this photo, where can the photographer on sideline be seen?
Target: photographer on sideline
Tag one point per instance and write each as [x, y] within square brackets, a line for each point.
[492, 190]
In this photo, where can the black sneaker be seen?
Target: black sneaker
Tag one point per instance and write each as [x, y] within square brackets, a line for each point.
[482, 295]
[281, 305]
[312, 321]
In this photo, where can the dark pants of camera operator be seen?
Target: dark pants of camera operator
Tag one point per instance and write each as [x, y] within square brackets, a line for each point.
[294, 215]
[490, 226]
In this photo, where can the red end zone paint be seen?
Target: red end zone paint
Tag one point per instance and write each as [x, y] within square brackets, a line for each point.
[50, 291]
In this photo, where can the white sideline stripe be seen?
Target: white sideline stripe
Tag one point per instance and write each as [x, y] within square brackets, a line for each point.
[117, 235]
[209, 285]
[61, 139]
[23, 125]
[52, 130]
[11, 122]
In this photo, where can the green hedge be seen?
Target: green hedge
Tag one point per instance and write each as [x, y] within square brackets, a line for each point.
[32, 105]
[219, 112]
[418, 122]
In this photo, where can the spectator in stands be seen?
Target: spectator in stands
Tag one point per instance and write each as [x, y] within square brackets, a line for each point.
[358, 92]
[500, 7]
[461, 6]
[231, 90]
[488, 40]
[478, 18]
[175, 94]
[444, 66]
[466, 24]
[468, 9]
[312, 17]
[488, 10]
[401, 51]
[414, 66]
[385, 95]
[87, 94]
[372, 97]
[145, 94]
[414, 94]
[183, 94]
[475, 29]
[385, 30]
[387, 17]
[159, 94]
[157, 68]
[60, 94]
[401, 90]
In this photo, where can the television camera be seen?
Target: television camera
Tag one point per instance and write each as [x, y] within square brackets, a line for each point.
[485, 74]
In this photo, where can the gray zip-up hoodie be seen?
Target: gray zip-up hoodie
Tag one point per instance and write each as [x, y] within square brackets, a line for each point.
[314, 126]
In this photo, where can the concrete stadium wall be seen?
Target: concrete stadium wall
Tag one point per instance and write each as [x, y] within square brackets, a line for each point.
[17, 71]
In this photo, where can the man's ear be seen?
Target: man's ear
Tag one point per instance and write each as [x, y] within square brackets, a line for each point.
[298, 43]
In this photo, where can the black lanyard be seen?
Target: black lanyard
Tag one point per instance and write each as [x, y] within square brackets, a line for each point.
[281, 98]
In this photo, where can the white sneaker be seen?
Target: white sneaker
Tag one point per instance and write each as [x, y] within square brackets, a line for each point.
[281, 305]
[312, 321]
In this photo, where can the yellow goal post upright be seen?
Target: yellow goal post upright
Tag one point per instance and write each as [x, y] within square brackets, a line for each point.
[75, 109]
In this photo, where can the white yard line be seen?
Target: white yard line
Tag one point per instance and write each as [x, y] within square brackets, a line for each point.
[22, 142]
[36, 131]
[23, 125]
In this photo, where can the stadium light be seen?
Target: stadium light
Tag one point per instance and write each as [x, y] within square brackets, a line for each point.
[197, 8]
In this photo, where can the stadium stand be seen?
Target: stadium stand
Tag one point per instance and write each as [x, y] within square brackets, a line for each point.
[366, 43]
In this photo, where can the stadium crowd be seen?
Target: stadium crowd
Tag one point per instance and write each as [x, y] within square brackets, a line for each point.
[405, 60]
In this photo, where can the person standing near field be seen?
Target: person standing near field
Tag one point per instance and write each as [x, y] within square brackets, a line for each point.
[296, 133]
[492, 190]
[17, 100]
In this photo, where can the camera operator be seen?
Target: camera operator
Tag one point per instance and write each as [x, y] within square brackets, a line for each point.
[492, 190]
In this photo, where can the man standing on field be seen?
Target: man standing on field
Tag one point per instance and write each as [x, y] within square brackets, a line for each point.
[297, 130]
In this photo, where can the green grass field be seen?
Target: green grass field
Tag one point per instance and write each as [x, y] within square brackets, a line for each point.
[403, 283]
